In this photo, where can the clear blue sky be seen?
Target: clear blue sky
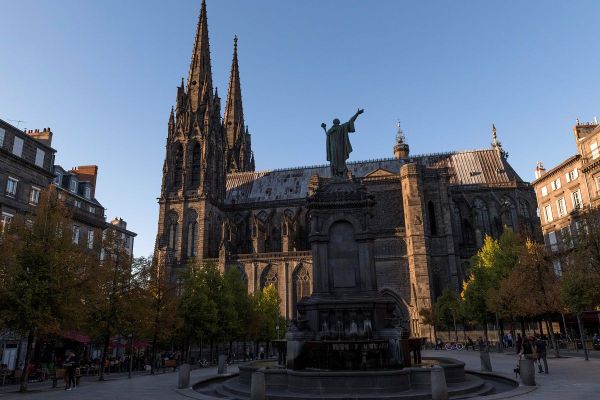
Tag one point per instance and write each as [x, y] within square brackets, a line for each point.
[103, 76]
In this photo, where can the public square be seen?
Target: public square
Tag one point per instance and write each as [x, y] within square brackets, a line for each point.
[570, 378]
[374, 200]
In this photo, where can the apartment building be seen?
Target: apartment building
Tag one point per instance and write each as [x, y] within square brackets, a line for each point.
[564, 191]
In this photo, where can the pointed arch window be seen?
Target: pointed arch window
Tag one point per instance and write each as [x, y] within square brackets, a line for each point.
[178, 177]
[269, 277]
[524, 209]
[467, 232]
[192, 236]
[457, 220]
[196, 163]
[172, 236]
[509, 212]
[432, 220]
[482, 217]
[302, 283]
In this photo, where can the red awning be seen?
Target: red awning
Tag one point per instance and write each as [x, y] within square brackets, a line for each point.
[140, 344]
[76, 336]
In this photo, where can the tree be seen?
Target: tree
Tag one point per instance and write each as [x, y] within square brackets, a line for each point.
[198, 307]
[265, 314]
[447, 309]
[581, 279]
[158, 301]
[429, 317]
[492, 263]
[109, 294]
[534, 287]
[237, 294]
[42, 274]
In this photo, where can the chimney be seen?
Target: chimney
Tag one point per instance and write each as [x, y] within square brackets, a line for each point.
[539, 170]
[119, 222]
[44, 136]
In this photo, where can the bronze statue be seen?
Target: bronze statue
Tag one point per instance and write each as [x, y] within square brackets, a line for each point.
[338, 144]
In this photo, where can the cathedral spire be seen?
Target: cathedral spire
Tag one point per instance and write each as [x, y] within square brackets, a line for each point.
[496, 144]
[234, 113]
[200, 76]
[401, 148]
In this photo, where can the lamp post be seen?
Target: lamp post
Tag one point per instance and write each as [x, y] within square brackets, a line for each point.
[130, 355]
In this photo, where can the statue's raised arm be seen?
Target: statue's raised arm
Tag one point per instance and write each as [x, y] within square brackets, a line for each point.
[358, 112]
[338, 144]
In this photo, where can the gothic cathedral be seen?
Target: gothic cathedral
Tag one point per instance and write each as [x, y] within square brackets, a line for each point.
[431, 214]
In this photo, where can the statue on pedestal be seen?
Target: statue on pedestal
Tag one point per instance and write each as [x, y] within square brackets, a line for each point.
[338, 144]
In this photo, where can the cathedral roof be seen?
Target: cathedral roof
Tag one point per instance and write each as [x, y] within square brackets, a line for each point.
[466, 168]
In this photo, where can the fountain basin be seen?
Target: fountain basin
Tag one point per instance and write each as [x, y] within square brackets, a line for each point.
[392, 384]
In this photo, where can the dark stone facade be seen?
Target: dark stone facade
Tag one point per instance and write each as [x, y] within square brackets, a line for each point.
[430, 215]
[26, 167]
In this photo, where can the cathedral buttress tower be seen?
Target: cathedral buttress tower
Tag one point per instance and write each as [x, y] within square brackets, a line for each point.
[239, 157]
[194, 170]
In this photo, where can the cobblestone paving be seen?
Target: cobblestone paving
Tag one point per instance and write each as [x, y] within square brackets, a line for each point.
[569, 378]
[146, 387]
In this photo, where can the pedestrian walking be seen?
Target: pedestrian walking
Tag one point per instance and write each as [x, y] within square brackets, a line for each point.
[519, 343]
[69, 366]
[540, 349]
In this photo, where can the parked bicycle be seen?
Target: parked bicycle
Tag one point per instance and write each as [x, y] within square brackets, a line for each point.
[454, 346]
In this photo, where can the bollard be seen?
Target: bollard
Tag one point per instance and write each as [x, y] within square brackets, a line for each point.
[222, 364]
[292, 353]
[486, 363]
[439, 389]
[184, 376]
[257, 386]
[527, 371]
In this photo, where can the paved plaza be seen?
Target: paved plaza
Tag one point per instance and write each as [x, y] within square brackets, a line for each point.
[569, 378]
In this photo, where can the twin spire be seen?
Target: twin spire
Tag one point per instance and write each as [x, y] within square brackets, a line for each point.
[199, 98]
[233, 117]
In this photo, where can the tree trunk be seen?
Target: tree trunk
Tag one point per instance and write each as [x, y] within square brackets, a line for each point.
[25, 376]
[522, 327]
[153, 360]
[552, 338]
[582, 336]
[455, 329]
[103, 358]
[485, 330]
[500, 335]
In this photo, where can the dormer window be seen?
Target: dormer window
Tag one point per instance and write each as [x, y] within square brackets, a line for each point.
[58, 179]
[88, 192]
[73, 185]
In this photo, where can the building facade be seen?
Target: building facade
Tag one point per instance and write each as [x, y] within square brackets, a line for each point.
[26, 168]
[564, 191]
[432, 212]
[77, 188]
